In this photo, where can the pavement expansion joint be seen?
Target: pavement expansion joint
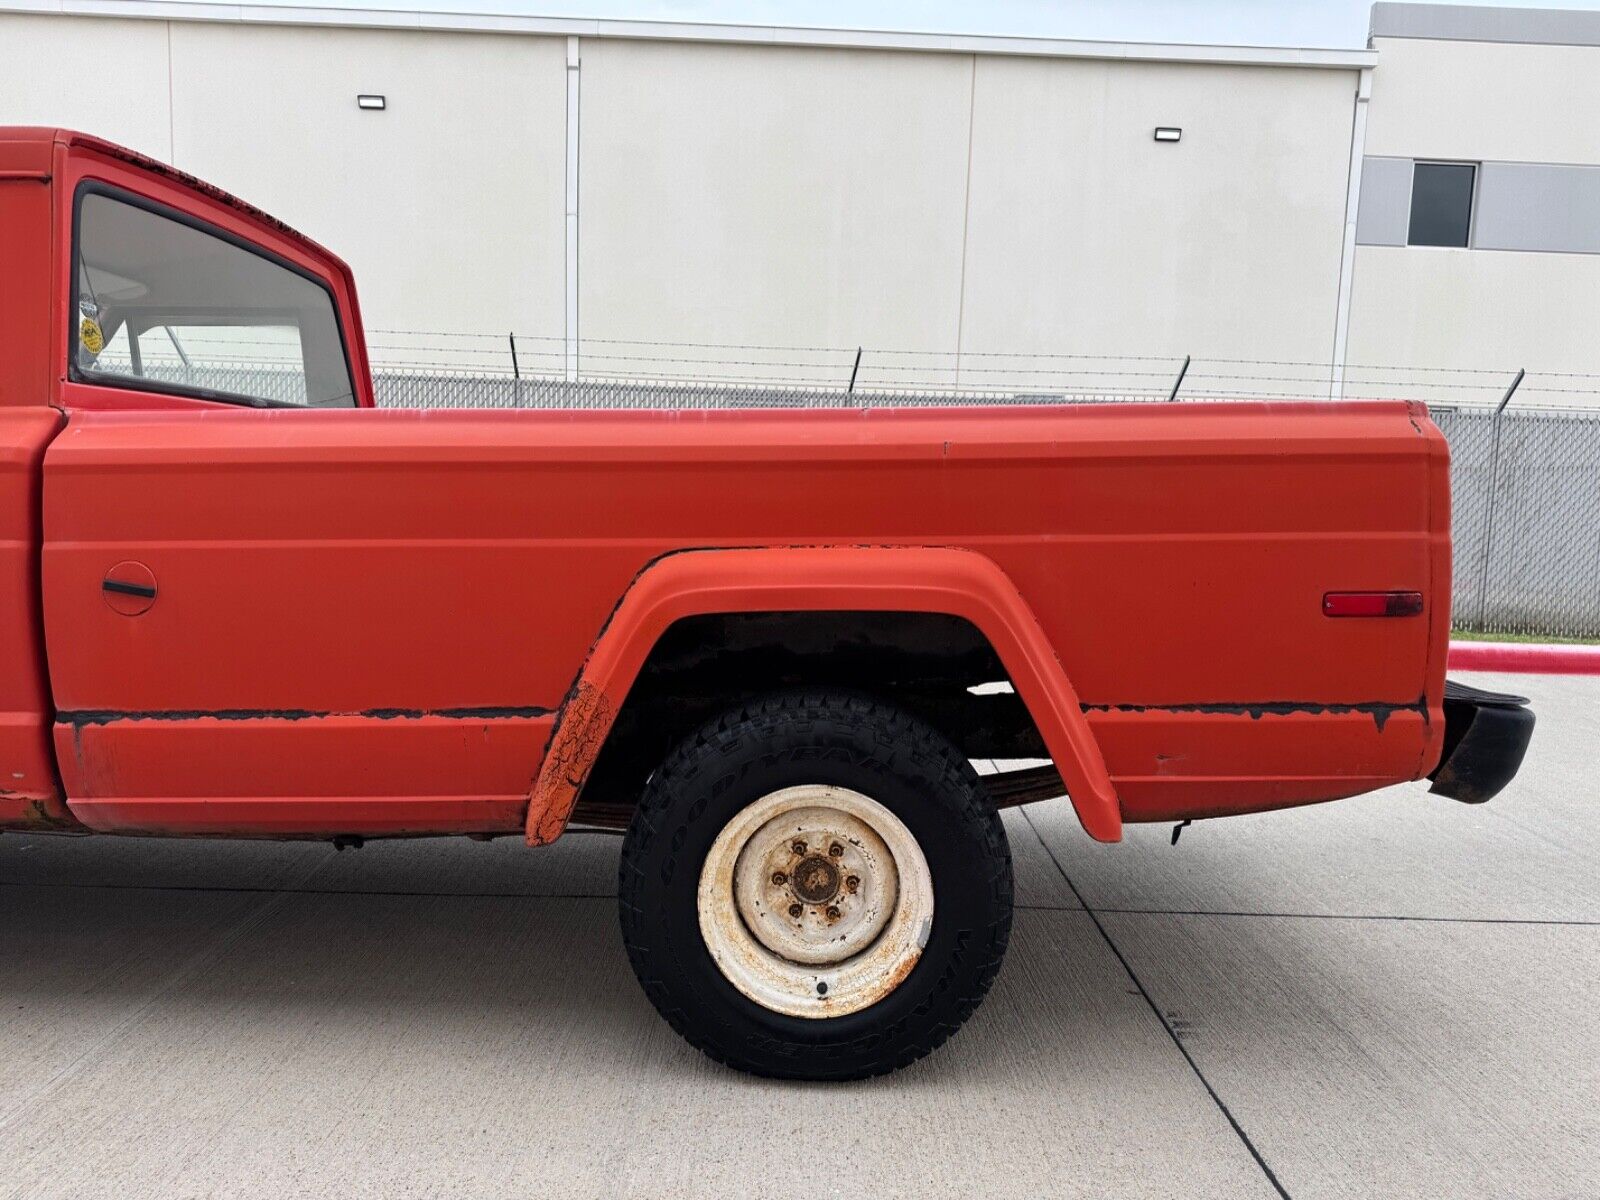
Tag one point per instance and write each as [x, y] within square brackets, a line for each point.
[1162, 1017]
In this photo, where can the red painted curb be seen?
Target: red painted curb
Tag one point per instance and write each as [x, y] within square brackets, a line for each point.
[1537, 658]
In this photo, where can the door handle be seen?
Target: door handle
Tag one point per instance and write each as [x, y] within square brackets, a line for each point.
[129, 588]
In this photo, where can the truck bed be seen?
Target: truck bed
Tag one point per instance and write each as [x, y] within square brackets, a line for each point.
[387, 608]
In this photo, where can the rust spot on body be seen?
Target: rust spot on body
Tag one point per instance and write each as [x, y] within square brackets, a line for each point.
[579, 734]
[1379, 710]
[23, 811]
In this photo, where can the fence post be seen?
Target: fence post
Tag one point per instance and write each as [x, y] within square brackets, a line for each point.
[1178, 382]
[1494, 496]
[516, 372]
[853, 370]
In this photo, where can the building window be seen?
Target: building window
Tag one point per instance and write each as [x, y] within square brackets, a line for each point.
[1441, 203]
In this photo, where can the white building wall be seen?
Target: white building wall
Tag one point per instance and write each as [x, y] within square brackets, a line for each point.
[1448, 98]
[739, 193]
[104, 77]
[1087, 236]
[771, 195]
[1471, 310]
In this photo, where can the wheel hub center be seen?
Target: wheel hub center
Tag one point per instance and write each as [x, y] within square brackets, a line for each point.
[816, 880]
[813, 884]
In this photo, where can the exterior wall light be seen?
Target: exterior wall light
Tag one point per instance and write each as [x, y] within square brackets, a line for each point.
[1168, 133]
[376, 103]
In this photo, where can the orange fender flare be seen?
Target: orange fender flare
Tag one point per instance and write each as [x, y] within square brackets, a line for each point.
[959, 583]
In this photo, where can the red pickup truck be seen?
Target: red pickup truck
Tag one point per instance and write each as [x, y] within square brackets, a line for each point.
[768, 645]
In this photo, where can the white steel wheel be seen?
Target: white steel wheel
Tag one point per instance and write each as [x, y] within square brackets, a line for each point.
[815, 901]
[710, 870]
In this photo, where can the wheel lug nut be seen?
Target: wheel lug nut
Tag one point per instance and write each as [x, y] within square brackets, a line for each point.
[795, 910]
[779, 878]
[833, 912]
[835, 850]
[798, 847]
[852, 883]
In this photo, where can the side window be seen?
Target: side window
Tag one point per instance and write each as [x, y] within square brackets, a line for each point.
[164, 305]
[1441, 204]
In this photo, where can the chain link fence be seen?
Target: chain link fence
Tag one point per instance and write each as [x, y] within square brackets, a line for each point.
[1526, 520]
[413, 389]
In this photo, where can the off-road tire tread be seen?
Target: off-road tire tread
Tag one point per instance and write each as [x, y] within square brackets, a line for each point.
[668, 803]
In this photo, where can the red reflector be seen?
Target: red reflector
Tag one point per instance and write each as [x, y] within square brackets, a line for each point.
[1372, 604]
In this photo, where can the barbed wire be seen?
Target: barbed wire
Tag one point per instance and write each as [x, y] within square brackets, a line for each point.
[1133, 383]
[720, 369]
[1014, 375]
[893, 351]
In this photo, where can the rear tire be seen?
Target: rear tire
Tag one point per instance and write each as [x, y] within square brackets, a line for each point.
[815, 886]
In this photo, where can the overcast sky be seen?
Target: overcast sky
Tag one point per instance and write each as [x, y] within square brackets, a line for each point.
[1244, 22]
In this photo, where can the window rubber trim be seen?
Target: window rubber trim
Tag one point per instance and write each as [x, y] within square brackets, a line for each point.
[96, 187]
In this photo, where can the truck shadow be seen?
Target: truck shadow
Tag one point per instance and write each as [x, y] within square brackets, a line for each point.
[449, 948]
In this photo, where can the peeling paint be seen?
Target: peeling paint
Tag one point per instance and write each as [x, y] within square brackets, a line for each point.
[107, 716]
[585, 719]
[39, 815]
[491, 712]
[1379, 710]
[34, 812]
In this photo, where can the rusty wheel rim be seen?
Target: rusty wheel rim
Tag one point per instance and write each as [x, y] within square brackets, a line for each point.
[815, 901]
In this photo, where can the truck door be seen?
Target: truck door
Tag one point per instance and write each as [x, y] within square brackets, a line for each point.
[234, 644]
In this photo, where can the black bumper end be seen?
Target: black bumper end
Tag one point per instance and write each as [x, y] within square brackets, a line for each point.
[1485, 736]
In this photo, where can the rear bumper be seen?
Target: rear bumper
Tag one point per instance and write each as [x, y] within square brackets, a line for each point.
[1485, 736]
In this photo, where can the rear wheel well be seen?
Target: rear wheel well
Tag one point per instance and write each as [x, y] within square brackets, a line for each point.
[924, 663]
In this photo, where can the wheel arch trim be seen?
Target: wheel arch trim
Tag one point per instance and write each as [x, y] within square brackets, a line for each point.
[943, 580]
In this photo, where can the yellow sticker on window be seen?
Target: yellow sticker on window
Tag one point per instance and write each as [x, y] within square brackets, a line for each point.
[89, 335]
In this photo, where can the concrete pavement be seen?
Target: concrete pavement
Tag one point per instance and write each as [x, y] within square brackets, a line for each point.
[1385, 996]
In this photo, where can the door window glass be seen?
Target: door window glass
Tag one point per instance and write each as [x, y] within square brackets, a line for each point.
[166, 306]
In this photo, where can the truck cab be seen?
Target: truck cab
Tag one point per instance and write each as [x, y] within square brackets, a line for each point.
[177, 292]
[175, 297]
